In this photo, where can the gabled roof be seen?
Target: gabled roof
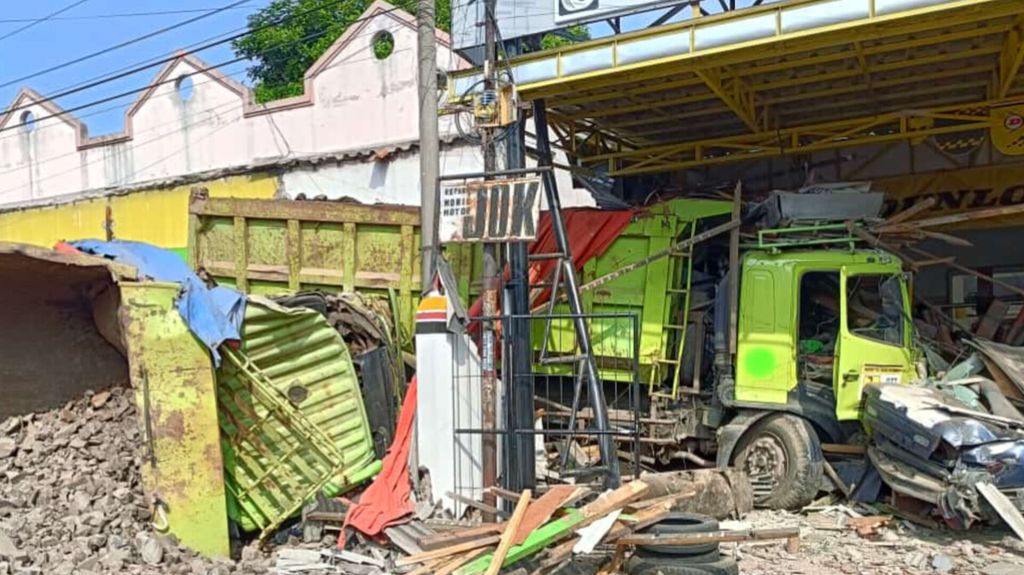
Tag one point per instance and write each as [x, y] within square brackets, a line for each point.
[378, 9]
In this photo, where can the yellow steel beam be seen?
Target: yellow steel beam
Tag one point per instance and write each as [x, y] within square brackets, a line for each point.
[735, 95]
[916, 20]
[1011, 57]
[806, 110]
[618, 82]
[701, 159]
[646, 106]
[971, 115]
[879, 84]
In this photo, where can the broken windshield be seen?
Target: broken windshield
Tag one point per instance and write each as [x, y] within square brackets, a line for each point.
[875, 307]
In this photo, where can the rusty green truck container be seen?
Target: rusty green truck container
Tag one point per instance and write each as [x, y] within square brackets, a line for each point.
[277, 246]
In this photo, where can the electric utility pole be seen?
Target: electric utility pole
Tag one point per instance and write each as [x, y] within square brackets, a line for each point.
[489, 393]
[429, 141]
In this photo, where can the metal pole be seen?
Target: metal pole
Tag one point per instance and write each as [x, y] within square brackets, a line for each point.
[429, 140]
[606, 442]
[490, 285]
[522, 472]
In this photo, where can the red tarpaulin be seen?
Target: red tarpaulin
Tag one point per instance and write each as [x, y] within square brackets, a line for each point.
[590, 233]
[388, 499]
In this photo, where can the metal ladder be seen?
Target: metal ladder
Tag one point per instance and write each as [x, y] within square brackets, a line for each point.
[672, 330]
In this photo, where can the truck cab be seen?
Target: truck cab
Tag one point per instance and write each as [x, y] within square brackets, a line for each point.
[814, 328]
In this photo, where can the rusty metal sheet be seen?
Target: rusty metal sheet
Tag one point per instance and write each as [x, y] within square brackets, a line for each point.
[182, 469]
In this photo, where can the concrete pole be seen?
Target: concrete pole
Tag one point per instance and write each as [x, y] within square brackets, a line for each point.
[489, 392]
[429, 140]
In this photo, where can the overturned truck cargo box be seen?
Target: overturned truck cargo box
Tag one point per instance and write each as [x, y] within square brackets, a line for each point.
[292, 417]
[74, 323]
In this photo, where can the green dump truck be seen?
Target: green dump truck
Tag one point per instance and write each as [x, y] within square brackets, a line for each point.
[814, 323]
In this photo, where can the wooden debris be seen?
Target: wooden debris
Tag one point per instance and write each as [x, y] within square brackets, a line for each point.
[448, 551]
[437, 541]
[450, 566]
[843, 448]
[711, 537]
[541, 510]
[838, 481]
[914, 210]
[868, 526]
[558, 529]
[510, 532]
[992, 320]
[477, 505]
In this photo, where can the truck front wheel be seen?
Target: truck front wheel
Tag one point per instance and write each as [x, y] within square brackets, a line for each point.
[782, 456]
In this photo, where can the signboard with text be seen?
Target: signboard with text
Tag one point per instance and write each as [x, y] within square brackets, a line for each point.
[489, 211]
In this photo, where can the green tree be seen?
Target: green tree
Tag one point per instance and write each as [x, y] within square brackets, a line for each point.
[572, 35]
[281, 54]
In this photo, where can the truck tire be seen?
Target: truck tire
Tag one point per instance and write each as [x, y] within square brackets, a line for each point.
[678, 523]
[678, 566]
[783, 451]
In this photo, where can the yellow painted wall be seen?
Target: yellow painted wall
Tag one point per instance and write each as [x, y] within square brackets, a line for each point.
[156, 216]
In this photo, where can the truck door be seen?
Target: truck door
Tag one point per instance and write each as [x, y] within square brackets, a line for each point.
[874, 336]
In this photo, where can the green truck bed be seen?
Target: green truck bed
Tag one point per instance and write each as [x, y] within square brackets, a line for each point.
[278, 246]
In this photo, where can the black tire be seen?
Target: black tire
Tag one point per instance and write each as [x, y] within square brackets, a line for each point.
[679, 566]
[709, 557]
[680, 523]
[786, 449]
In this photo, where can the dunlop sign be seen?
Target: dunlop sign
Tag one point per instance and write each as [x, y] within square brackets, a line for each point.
[490, 211]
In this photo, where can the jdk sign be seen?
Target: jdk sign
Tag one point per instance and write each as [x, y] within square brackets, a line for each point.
[490, 211]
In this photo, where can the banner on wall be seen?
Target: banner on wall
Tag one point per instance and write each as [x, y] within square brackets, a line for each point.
[958, 191]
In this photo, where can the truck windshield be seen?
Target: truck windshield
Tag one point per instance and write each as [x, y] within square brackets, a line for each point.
[874, 306]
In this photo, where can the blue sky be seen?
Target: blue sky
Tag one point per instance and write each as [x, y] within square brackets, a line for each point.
[80, 31]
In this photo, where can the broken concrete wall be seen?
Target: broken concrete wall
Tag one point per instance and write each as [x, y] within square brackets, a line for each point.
[51, 350]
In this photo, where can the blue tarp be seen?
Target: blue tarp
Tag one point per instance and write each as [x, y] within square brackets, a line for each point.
[214, 315]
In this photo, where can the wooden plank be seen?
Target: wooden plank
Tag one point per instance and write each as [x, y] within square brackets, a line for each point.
[459, 561]
[711, 537]
[447, 551]
[541, 510]
[477, 504]
[993, 318]
[838, 481]
[439, 540]
[671, 499]
[563, 527]
[968, 216]
[843, 448]
[510, 532]
[1006, 385]
[914, 210]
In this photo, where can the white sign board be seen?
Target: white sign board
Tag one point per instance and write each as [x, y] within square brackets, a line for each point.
[489, 211]
[518, 18]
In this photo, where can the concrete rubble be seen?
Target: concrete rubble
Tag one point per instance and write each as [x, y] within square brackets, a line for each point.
[71, 498]
[829, 546]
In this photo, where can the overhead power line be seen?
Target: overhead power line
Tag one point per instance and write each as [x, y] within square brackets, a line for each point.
[126, 72]
[126, 43]
[49, 16]
[114, 15]
[120, 95]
